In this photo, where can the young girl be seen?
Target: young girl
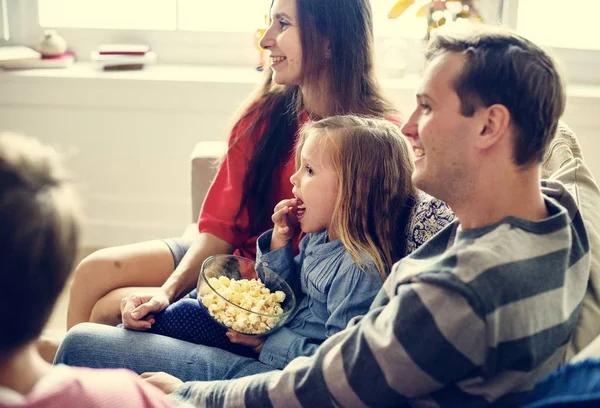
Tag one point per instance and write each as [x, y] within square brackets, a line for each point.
[352, 195]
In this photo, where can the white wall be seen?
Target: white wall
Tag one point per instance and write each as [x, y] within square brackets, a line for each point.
[129, 135]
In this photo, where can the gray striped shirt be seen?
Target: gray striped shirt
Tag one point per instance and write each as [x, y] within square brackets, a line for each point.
[471, 318]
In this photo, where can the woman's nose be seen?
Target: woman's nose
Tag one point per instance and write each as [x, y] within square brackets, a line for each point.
[268, 39]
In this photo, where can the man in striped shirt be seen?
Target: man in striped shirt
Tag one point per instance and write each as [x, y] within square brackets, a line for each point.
[477, 315]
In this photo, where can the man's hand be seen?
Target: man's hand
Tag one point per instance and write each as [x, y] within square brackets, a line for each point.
[256, 342]
[163, 381]
[138, 310]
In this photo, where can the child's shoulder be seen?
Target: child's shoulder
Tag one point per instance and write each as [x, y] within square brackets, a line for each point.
[79, 386]
[351, 270]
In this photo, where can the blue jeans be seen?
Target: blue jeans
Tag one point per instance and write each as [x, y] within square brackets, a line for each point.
[576, 385]
[99, 346]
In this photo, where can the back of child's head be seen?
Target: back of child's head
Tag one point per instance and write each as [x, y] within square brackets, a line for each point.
[39, 230]
[374, 166]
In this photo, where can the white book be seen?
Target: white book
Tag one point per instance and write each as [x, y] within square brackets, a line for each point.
[17, 53]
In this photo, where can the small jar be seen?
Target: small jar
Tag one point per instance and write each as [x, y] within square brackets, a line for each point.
[52, 44]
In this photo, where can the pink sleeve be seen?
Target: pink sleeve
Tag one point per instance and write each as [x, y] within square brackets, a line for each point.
[111, 388]
[151, 396]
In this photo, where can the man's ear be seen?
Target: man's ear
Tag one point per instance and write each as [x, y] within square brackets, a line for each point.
[495, 122]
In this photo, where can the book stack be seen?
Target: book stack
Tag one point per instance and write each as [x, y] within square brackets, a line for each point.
[120, 57]
[20, 57]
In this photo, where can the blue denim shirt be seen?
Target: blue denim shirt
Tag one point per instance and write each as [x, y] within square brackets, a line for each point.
[330, 290]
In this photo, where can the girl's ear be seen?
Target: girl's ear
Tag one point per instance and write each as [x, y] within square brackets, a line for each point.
[495, 123]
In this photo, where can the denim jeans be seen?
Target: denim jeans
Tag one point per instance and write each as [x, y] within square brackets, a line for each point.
[99, 346]
[576, 385]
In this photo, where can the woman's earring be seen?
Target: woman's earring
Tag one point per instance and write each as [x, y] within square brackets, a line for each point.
[328, 54]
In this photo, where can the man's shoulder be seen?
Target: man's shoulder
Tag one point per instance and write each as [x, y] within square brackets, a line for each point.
[511, 264]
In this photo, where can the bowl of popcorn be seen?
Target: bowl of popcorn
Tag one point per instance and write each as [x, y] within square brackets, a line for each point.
[243, 296]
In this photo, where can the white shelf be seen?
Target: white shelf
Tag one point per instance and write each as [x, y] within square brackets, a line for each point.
[175, 73]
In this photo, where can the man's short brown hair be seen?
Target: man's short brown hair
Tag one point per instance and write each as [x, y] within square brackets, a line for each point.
[505, 68]
[39, 230]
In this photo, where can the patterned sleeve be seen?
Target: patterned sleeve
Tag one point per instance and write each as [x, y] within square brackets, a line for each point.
[428, 217]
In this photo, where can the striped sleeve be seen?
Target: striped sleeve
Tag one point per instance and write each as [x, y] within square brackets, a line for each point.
[401, 363]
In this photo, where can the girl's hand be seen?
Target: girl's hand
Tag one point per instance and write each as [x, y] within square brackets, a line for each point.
[256, 342]
[163, 381]
[285, 223]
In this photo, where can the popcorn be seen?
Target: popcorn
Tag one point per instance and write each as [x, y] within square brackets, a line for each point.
[250, 294]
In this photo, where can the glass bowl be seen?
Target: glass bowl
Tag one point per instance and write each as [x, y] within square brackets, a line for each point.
[229, 288]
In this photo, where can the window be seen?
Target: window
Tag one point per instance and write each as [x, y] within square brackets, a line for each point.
[221, 32]
[179, 31]
[569, 28]
[173, 15]
[407, 26]
[565, 25]
[109, 14]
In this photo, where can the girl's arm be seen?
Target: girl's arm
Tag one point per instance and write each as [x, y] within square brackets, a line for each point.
[282, 260]
[351, 293]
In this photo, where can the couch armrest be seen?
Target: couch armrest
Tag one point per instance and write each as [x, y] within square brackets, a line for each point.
[592, 350]
[204, 159]
[579, 181]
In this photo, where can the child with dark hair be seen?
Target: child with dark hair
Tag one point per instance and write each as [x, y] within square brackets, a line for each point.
[39, 231]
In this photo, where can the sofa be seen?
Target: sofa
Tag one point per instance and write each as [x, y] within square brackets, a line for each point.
[563, 161]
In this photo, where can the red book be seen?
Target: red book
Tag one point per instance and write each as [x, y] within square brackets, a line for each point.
[123, 49]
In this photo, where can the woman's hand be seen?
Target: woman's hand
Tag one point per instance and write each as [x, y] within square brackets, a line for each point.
[163, 381]
[255, 342]
[137, 311]
[285, 223]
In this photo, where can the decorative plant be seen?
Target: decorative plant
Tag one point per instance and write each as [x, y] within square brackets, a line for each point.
[438, 12]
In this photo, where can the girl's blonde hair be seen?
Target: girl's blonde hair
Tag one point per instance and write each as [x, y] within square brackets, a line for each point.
[375, 191]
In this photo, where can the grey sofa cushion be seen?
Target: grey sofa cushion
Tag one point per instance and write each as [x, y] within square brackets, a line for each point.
[564, 162]
[580, 183]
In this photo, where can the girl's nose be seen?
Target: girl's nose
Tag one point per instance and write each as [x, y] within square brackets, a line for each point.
[294, 179]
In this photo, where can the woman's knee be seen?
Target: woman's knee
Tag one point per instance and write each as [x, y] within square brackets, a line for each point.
[107, 310]
[96, 266]
[142, 264]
